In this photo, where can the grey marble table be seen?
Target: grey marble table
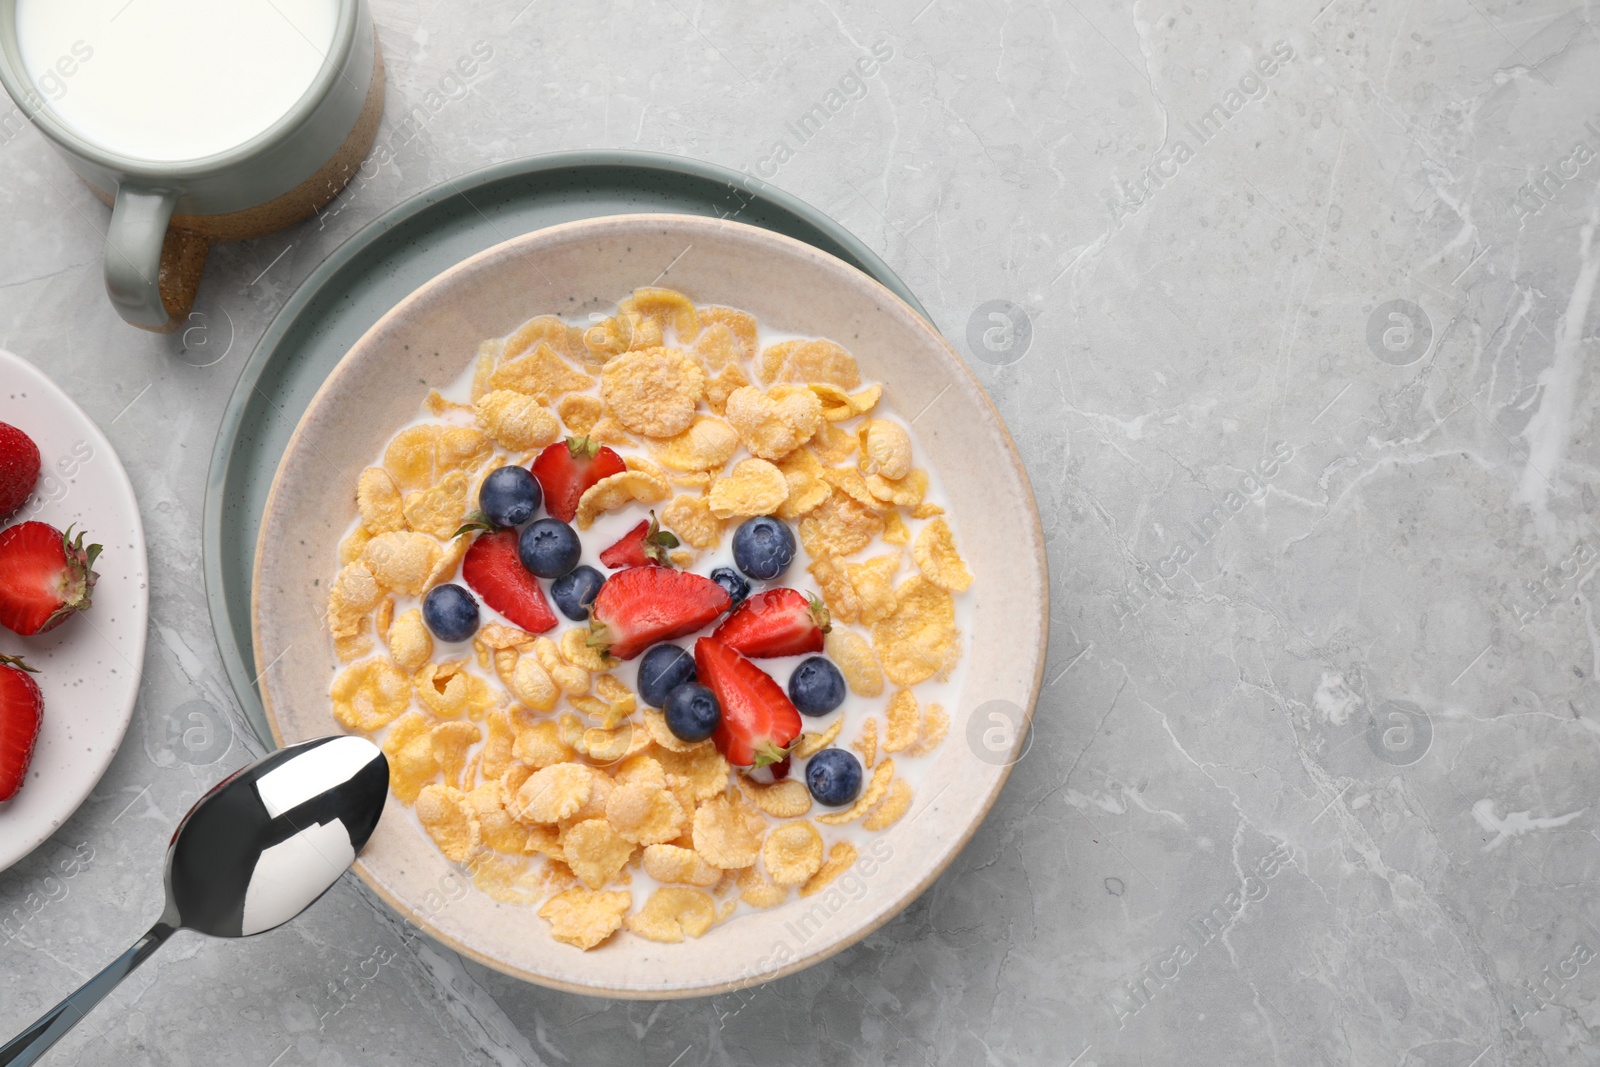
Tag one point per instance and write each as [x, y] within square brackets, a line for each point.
[1288, 307]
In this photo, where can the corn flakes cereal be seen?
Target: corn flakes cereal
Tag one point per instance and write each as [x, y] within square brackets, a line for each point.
[354, 544]
[670, 863]
[654, 391]
[774, 423]
[419, 455]
[449, 691]
[369, 695]
[873, 582]
[723, 384]
[448, 818]
[840, 859]
[580, 412]
[665, 307]
[401, 561]
[852, 484]
[610, 745]
[500, 831]
[919, 640]
[385, 618]
[808, 486]
[808, 362]
[727, 834]
[595, 851]
[616, 490]
[585, 918]
[741, 326]
[890, 810]
[409, 746]
[935, 724]
[833, 445]
[508, 879]
[499, 738]
[526, 679]
[644, 813]
[553, 793]
[756, 891]
[438, 405]
[620, 333]
[839, 526]
[656, 725]
[544, 330]
[867, 743]
[706, 445]
[938, 560]
[673, 912]
[838, 405]
[379, 502]
[449, 560]
[499, 636]
[539, 745]
[483, 369]
[576, 651]
[853, 656]
[810, 744]
[837, 591]
[594, 807]
[792, 853]
[691, 519]
[353, 595]
[450, 742]
[641, 768]
[753, 487]
[870, 795]
[702, 765]
[904, 721]
[517, 421]
[906, 492]
[895, 531]
[440, 510]
[542, 375]
[786, 799]
[885, 449]
[569, 678]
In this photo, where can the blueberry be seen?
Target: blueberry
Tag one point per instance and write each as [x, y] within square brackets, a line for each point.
[834, 777]
[450, 612]
[733, 582]
[575, 591]
[816, 686]
[663, 668]
[549, 548]
[693, 714]
[763, 547]
[510, 496]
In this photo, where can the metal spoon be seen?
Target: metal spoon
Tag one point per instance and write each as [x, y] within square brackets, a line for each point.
[253, 853]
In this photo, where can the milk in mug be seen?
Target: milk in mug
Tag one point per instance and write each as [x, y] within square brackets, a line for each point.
[173, 80]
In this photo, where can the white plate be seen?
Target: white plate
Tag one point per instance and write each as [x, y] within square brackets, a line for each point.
[88, 666]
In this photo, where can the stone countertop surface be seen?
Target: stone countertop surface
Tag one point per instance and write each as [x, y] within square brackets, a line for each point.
[1289, 309]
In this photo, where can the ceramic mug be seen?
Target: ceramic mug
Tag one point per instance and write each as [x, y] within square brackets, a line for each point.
[166, 213]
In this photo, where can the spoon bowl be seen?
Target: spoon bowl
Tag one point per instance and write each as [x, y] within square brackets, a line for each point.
[258, 849]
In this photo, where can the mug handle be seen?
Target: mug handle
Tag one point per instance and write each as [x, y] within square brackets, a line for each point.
[152, 273]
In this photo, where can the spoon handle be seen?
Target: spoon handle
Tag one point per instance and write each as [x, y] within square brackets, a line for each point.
[35, 1041]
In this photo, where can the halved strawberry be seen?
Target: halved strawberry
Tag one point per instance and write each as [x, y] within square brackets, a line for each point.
[19, 468]
[642, 605]
[46, 577]
[567, 468]
[759, 724]
[21, 712]
[494, 572]
[644, 544]
[776, 622]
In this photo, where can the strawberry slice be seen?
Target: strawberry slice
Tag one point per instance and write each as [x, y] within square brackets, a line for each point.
[759, 724]
[46, 577]
[21, 712]
[776, 622]
[642, 605]
[567, 468]
[644, 544]
[494, 572]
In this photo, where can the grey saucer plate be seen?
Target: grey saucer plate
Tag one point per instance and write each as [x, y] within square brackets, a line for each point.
[391, 257]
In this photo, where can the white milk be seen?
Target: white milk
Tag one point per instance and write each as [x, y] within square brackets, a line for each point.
[172, 80]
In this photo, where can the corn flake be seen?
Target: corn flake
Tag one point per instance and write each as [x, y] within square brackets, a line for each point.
[580, 412]
[935, 724]
[706, 445]
[645, 813]
[810, 361]
[905, 492]
[895, 531]
[584, 918]
[449, 691]
[449, 561]
[539, 744]
[542, 375]
[401, 561]
[919, 639]
[409, 746]
[575, 650]
[483, 368]
[741, 326]
[890, 810]
[867, 743]
[672, 912]
[756, 891]
[369, 695]
[873, 582]
[810, 744]
[938, 560]
[873, 792]
[786, 799]
[665, 307]
[753, 487]
[499, 738]
[544, 330]
[616, 490]
[656, 726]
[670, 863]
[885, 449]
[774, 423]
[840, 858]
[691, 519]
[727, 834]
[553, 793]
[723, 384]
[853, 656]
[440, 510]
[354, 544]
[379, 502]
[904, 721]
[595, 851]
[839, 526]
[654, 391]
[792, 853]
[517, 421]
[833, 445]
[448, 819]
[702, 765]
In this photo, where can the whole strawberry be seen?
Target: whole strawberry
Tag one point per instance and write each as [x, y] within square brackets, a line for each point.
[46, 577]
[21, 712]
[19, 468]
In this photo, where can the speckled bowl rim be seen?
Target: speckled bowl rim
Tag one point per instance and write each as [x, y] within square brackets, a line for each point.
[910, 320]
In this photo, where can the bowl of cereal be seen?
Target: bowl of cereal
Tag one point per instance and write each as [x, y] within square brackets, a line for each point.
[691, 584]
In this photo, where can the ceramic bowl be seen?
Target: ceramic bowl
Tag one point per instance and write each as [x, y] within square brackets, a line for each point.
[429, 339]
